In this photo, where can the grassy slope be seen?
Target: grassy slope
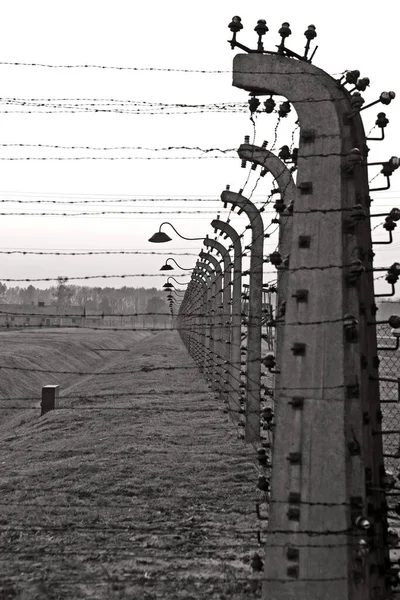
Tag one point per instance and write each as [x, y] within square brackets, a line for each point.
[143, 496]
[52, 350]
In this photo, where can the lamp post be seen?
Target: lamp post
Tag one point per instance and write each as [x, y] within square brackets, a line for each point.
[160, 237]
[167, 267]
[169, 285]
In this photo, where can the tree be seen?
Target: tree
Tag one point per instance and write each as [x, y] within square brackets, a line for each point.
[158, 307]
[63, 293]
[3, 289]
[105, 306]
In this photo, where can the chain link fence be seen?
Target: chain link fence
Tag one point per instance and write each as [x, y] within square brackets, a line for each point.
[389, 374]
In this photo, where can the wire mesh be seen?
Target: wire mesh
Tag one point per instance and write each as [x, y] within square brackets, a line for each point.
[389, 368]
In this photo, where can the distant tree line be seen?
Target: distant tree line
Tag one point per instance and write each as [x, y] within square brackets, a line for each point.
[108, 299]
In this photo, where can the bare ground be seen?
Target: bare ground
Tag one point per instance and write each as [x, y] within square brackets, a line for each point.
[147, 494]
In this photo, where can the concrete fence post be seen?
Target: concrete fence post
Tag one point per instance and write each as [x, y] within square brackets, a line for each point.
[224, 327]
[205, 270]
[206, 257]
[199, 306]
[253, 373]
[234, 343]
[328, 474]
[271, 163]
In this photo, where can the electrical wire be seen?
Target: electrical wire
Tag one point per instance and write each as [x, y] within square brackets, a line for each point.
[85, 277]
[96, 252]
[104, 148]
[70, 158]
[107, 212]
[150, 69]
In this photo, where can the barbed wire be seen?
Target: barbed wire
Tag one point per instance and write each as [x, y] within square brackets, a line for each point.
[90, 313]
[309, 533]
[96, 252]
[43, 158]
[108, 101]
[115, 527]
[149, 368]
[111, 199]
[112, 408]
[83, 277]
[178, 157]
[85, 397]
[145, 105]
[145, 369]
[145, 148]
[151, 393]
[156, 69]
[56, 327]
[107, 212]
[105, 201]
[57, 111]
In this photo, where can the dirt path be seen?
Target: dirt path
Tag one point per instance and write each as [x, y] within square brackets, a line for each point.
[147, 494]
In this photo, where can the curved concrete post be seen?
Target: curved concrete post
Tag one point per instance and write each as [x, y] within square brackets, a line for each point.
[183, 318]
[287, 188]
[209, 356]
[225, 329]
[253, 376]
[187, 318]
[217, 319]
[334, 376]
[236, 320]
[192, 321]
[200, 308]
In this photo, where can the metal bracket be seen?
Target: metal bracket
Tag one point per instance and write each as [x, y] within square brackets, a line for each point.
[297, 402]
[306, 187]
[304, 241]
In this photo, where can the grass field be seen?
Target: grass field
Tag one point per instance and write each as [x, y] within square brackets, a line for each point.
[143, 493]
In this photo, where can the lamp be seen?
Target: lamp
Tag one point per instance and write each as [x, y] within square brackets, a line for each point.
[168, 267]
[160, 237]
[169, 285]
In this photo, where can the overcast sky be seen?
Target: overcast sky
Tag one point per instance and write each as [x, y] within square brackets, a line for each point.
[162, 35]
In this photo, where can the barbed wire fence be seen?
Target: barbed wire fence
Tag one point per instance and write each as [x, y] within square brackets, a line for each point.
[241, 332]
[314, 334]
[67, 529]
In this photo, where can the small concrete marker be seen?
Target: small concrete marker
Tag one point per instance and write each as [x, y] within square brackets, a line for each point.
[49, 398]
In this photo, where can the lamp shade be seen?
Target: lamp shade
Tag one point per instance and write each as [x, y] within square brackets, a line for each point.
[167, 285]
[166, 267]
[159, 238]
[396, 268]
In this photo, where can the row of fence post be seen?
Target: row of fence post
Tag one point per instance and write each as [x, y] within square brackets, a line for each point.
[327, 524]
[220, 319]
